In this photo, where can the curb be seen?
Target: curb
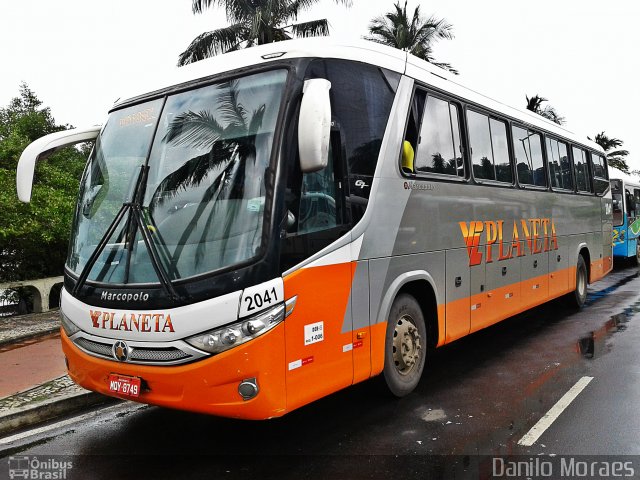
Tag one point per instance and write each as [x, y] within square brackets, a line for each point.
[28, 336]
[50, 409]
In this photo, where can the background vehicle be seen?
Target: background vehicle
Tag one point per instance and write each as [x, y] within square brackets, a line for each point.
[287, 220]
[625, 190]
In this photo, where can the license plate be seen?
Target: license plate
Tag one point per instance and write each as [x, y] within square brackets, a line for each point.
[129, 386]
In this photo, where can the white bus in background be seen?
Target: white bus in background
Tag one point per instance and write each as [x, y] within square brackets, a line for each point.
[281, 222]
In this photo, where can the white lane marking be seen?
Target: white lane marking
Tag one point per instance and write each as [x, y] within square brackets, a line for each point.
[545, 422]
[114, 410]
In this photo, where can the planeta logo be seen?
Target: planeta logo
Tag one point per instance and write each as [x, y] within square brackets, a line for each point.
[131, 322]
[538, 235]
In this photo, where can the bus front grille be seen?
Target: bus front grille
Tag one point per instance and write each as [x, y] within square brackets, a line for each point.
[139, 352]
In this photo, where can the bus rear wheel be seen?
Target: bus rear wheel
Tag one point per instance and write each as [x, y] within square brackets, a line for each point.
[638, 251]
[578, 297]
[405, 346]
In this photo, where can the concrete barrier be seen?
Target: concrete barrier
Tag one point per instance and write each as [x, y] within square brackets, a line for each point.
[41, 290]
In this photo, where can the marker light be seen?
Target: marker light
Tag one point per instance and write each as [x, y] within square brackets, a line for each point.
[224, 338]
[69, 327]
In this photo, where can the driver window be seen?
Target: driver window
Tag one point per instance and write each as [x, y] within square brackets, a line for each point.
[314, 200]
[317, 210]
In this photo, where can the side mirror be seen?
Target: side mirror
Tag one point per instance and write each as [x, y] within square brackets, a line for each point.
[314, 125]
[41, 149]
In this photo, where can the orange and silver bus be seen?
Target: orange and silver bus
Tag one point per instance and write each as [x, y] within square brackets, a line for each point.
[278, 223]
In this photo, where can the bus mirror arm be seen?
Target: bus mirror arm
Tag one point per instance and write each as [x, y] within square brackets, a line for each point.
[314, 125]
[44, 147]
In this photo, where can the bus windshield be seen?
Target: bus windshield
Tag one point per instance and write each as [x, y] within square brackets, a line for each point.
[191, 172]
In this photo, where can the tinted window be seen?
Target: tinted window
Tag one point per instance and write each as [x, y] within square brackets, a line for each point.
[489, 148]
[438, 149]
[581, 170]
[480, 143]
[527, 147]
[600, 176]
[559, 164]
[361, 98]
[501, 151]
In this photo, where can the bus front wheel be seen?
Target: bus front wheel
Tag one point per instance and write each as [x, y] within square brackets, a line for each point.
[405, 346]
[578, 297]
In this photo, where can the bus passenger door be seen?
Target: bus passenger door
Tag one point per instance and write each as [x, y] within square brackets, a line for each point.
[633, 230]
[457, 293]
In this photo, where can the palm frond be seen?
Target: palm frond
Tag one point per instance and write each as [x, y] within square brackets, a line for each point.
[212, 43]
[256, 120]
[197, 130]
[314, 28]
[199, 6]
[618, 153]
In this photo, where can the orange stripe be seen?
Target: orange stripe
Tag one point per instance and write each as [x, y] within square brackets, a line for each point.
[471, 314]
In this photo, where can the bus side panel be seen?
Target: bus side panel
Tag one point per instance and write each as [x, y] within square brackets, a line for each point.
[559, 269]
[359, 326]
[534, 270]
[501, 297]
[318, 355]
[458, 288]
[387, 278]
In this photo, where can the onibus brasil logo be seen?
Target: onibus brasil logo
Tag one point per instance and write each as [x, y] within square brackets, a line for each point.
[38, 468]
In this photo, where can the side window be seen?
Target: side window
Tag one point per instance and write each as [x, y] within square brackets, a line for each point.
[527, 147]
[600, 174]
[581, 170]
[489, 148]
[559, 164]
[319, 205]
[438, 144]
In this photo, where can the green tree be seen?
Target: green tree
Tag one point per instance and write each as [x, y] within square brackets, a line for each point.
[535, 105]
[615, 158]
[34, 237]
[415, 35]
[252, 22]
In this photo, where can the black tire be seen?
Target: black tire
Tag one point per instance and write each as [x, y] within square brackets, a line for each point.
[405, 346]
[577, 298]
[638, 252]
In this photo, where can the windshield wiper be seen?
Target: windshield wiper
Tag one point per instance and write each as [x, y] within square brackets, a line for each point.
[136, 212]
[99, 248]
[153, 254]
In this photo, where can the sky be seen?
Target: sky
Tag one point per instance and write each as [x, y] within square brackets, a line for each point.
[79, 56]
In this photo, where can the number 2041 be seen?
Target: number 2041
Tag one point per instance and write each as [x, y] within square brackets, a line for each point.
[257, 300]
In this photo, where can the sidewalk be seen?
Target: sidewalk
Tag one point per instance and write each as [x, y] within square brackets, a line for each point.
[34, 386]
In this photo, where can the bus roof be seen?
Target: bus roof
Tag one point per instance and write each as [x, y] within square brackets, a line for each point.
[615, 174]
[361, 51]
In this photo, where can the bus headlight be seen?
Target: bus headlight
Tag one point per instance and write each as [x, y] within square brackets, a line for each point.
[69, 327]
[224, 338]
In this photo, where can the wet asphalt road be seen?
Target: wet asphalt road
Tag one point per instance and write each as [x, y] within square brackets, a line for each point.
[479, 396]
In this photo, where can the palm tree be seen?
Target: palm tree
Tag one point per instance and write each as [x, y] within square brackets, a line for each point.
[253, 22]
[230, 137]
[615, 158]
[416, 35]
[535, 105]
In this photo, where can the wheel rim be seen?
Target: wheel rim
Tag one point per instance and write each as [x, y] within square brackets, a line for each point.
[582, 283]
[407, 344]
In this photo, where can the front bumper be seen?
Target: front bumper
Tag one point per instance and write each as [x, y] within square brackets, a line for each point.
[206, 386]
